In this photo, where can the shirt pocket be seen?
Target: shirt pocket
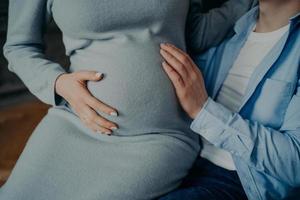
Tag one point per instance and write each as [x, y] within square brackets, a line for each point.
[272, 102]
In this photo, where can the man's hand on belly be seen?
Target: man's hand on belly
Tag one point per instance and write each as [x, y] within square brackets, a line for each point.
[186, 78]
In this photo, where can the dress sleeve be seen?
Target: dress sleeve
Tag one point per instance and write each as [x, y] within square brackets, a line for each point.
[25, 49]
[205, 30]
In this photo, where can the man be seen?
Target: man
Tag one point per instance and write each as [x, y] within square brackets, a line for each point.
[246, 108]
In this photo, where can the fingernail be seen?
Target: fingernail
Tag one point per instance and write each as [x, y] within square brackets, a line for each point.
[114, 128]
[106, 133]
[114, 113]
[165, 66]
[98, 74]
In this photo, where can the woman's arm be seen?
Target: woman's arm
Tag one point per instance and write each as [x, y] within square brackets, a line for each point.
[275, 152]
[205, 30]
[24, 49]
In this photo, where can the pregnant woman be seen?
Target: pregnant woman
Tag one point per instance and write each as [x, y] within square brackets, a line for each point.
[151, 147]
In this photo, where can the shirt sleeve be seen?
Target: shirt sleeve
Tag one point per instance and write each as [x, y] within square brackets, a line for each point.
[24, 48]
[264, 148]
[205, 30]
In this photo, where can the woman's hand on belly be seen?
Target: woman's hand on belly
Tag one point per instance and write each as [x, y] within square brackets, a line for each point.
[73, 88]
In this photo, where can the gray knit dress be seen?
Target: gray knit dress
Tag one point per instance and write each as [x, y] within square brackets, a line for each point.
[154, 148]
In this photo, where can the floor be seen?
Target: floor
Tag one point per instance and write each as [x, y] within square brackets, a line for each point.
[16, 125]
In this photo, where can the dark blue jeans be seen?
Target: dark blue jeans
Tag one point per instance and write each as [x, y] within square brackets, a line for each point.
[207, 181]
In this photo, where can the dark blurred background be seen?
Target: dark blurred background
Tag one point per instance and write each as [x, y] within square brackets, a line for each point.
[20, 111]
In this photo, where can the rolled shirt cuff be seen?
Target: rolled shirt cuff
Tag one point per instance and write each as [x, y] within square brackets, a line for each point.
[211, 120]
[214, 122]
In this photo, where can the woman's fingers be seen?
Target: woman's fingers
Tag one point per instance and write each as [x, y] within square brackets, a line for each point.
[93, 102]
[73, 88]
[89, 75]
[175, 63]
[93, 120]
[92, 105]
[96, 128]
[174, 76]
[105, 123]
[99, 106]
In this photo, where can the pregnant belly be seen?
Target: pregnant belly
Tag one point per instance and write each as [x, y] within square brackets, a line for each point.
[135, 84]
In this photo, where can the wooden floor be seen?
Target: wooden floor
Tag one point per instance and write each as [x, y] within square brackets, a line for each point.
[16, 125]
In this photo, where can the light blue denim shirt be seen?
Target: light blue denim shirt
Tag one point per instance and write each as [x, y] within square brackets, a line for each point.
[264, 136]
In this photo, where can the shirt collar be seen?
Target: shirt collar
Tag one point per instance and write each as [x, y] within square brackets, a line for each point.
[295, 20]
[296, 17]
[246, 23]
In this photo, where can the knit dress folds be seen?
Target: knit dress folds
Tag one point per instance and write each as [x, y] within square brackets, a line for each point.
[152, 150]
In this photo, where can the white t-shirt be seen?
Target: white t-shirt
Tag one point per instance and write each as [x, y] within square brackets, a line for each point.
[231, 94]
